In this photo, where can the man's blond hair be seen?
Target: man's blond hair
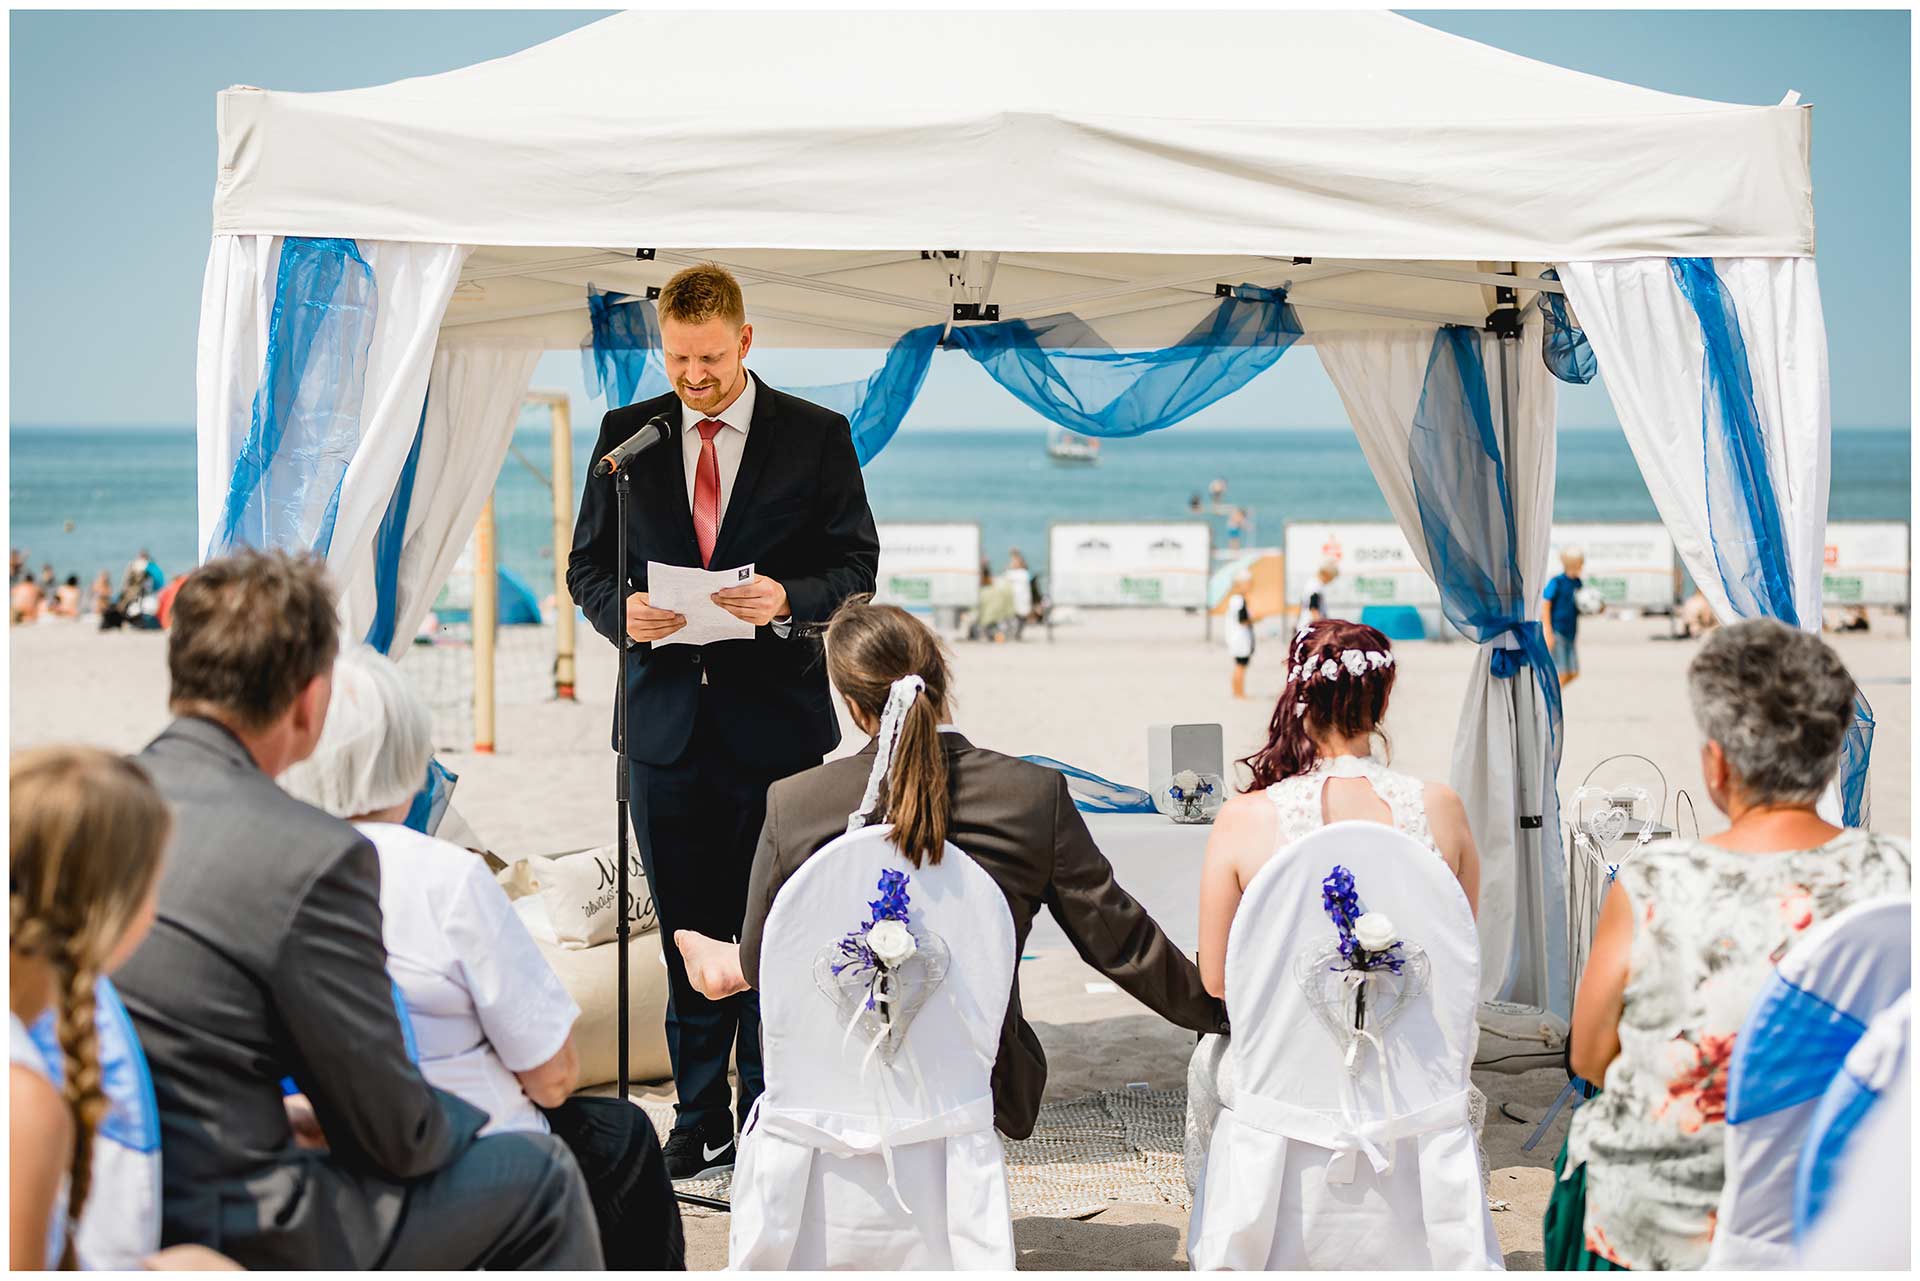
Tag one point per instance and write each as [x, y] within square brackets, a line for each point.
[702, 293]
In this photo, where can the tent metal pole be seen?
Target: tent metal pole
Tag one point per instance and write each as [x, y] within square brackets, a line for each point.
[1434, 271]
[748, 273]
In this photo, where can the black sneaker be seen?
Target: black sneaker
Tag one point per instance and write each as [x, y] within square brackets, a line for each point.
[691, 1154]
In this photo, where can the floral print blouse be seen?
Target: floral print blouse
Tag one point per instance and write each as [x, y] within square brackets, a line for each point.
[1709, 926]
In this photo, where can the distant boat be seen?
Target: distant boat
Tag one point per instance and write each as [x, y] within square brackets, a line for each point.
[1064, 446]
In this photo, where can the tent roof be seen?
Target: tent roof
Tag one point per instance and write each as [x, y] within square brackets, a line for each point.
[848, 141]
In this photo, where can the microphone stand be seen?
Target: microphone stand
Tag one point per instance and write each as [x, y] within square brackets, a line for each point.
[622, 784]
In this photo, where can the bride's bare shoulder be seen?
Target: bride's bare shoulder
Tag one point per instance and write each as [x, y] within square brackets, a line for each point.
[1246, 818]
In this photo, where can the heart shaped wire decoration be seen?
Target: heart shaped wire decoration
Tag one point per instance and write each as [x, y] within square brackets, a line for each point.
[878, 1003]
[1595, 835]
[1357, 1006]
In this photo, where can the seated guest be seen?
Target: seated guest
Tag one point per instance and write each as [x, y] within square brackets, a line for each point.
[85, 833]
[491, 1020]
[1688, 935]
[1017, 820]
[266, 961]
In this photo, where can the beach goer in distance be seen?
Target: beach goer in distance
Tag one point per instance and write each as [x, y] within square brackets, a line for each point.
[1019, 580]
[266, 961]
[1236, 527]
[1193, 505]
[18, 569]
[1697, 616]
[1560, 614]
[85, 834]
[102, 593]
[27, 600]
[1314, 608]
[1015, 819]
[491, 1019]
[1240, 633]
[1689, 933]
[49, 582]
[66, 600]
[1318, 767]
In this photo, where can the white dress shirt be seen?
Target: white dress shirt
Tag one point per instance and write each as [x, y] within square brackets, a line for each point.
[729, 446]
[729, 443]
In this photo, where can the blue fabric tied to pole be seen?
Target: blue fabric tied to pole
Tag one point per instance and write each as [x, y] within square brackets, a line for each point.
[1564, 347]
[1095, 795]
[1060, 368]
[285, 489]
[1792, 1046]
[624, 358]
[1744, 519]
[874, 406]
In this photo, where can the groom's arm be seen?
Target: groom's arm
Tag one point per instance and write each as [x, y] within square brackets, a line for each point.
[1114, 934]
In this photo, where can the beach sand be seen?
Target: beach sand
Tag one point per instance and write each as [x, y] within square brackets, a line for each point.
[1086, 698]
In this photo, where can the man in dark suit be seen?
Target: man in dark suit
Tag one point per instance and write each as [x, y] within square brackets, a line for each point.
[749, 475]
[266, 961]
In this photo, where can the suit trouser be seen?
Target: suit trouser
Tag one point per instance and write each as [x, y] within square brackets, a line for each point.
[618, 1152]
[697, 822]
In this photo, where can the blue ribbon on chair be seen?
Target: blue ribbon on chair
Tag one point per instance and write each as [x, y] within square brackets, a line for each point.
[1793, 1044]
[1095, 795]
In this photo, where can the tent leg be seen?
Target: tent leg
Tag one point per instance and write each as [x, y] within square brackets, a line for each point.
[563, 675]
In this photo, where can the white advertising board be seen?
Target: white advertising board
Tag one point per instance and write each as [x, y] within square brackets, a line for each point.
[928, 566]
[1866, 563]
[1377, 567]
[1631, 565]
[1138, 564]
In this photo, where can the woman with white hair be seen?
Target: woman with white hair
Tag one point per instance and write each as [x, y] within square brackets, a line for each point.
[491, 1019]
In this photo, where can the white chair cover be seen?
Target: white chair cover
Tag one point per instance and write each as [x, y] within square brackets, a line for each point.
[898, 1168]
[1290, 1182]
[1826, 991]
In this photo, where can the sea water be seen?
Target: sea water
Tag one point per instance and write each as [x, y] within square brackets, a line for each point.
[87, 499]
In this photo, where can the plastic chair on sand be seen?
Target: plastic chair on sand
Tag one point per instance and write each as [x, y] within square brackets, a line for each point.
[1796, 1038]
[850, 1160]
[1318, 1162]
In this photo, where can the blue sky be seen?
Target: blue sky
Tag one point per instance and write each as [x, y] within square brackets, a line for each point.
[113, 153]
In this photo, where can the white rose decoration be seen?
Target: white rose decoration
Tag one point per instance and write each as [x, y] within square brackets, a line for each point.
[1374, 931]
[1355, 661]
[891, 943]
[1186, 780]
[1377, 660]
[1329, 669]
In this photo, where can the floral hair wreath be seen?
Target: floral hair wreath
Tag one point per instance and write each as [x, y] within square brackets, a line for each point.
[1351, 662]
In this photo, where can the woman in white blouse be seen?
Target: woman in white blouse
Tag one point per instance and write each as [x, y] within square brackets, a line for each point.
[491, 1020]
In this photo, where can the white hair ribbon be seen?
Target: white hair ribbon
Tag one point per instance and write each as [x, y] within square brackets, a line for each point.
[886, 739]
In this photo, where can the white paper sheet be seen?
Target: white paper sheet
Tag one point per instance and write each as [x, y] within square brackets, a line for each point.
[689, 592]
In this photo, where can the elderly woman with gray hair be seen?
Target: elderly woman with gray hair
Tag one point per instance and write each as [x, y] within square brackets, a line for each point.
[491, 1020]
[1688, 935]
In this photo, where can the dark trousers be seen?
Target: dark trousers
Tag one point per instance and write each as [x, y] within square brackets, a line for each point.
[618, 1152]
[697, 822]
[509, 1201]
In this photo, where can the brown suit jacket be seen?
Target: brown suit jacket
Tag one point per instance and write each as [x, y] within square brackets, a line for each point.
[1019, 823]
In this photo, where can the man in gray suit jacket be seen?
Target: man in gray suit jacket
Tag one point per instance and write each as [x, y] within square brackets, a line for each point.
[266, 961]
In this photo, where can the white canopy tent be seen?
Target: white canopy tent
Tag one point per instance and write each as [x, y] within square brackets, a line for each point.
[863, 173]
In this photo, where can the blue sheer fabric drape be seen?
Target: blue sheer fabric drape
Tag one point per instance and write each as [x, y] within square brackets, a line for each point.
[1745, 524]
[623, 357]
[1564, 347]
[285, 489]
[875, 405]
[1467, 524]
[1095, 795]
[1060, 368]
[388, 543]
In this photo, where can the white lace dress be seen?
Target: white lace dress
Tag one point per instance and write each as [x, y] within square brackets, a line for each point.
[1298, 803]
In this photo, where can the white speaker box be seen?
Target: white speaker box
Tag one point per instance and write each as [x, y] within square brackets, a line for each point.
[1172, 748]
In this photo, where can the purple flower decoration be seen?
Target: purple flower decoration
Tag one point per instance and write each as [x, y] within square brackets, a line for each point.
[892, 905]
[1341, 902]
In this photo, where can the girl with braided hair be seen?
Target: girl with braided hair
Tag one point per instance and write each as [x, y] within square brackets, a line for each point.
[86, 830]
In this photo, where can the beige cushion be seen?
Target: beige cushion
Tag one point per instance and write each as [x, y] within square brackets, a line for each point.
[581, 895]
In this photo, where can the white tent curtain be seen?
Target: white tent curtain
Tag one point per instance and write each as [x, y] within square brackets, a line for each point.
[1647, 338]
[473, 403]
[1500, 752]
[240, 308]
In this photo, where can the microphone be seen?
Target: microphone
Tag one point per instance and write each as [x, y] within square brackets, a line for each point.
[657, 429]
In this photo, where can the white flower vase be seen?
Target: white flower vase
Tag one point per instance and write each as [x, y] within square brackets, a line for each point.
[1192, 798]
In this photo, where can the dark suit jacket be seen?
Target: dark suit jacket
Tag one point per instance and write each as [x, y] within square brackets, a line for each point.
[1018, 822]
[798, 512]
[267, 961]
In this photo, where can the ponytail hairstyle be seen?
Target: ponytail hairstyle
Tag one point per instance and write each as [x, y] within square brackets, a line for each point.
[85, 833]
[871, 649]
[1339, 676]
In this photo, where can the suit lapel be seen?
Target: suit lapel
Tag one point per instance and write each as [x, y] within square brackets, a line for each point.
[760, 444]
[664, 486]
